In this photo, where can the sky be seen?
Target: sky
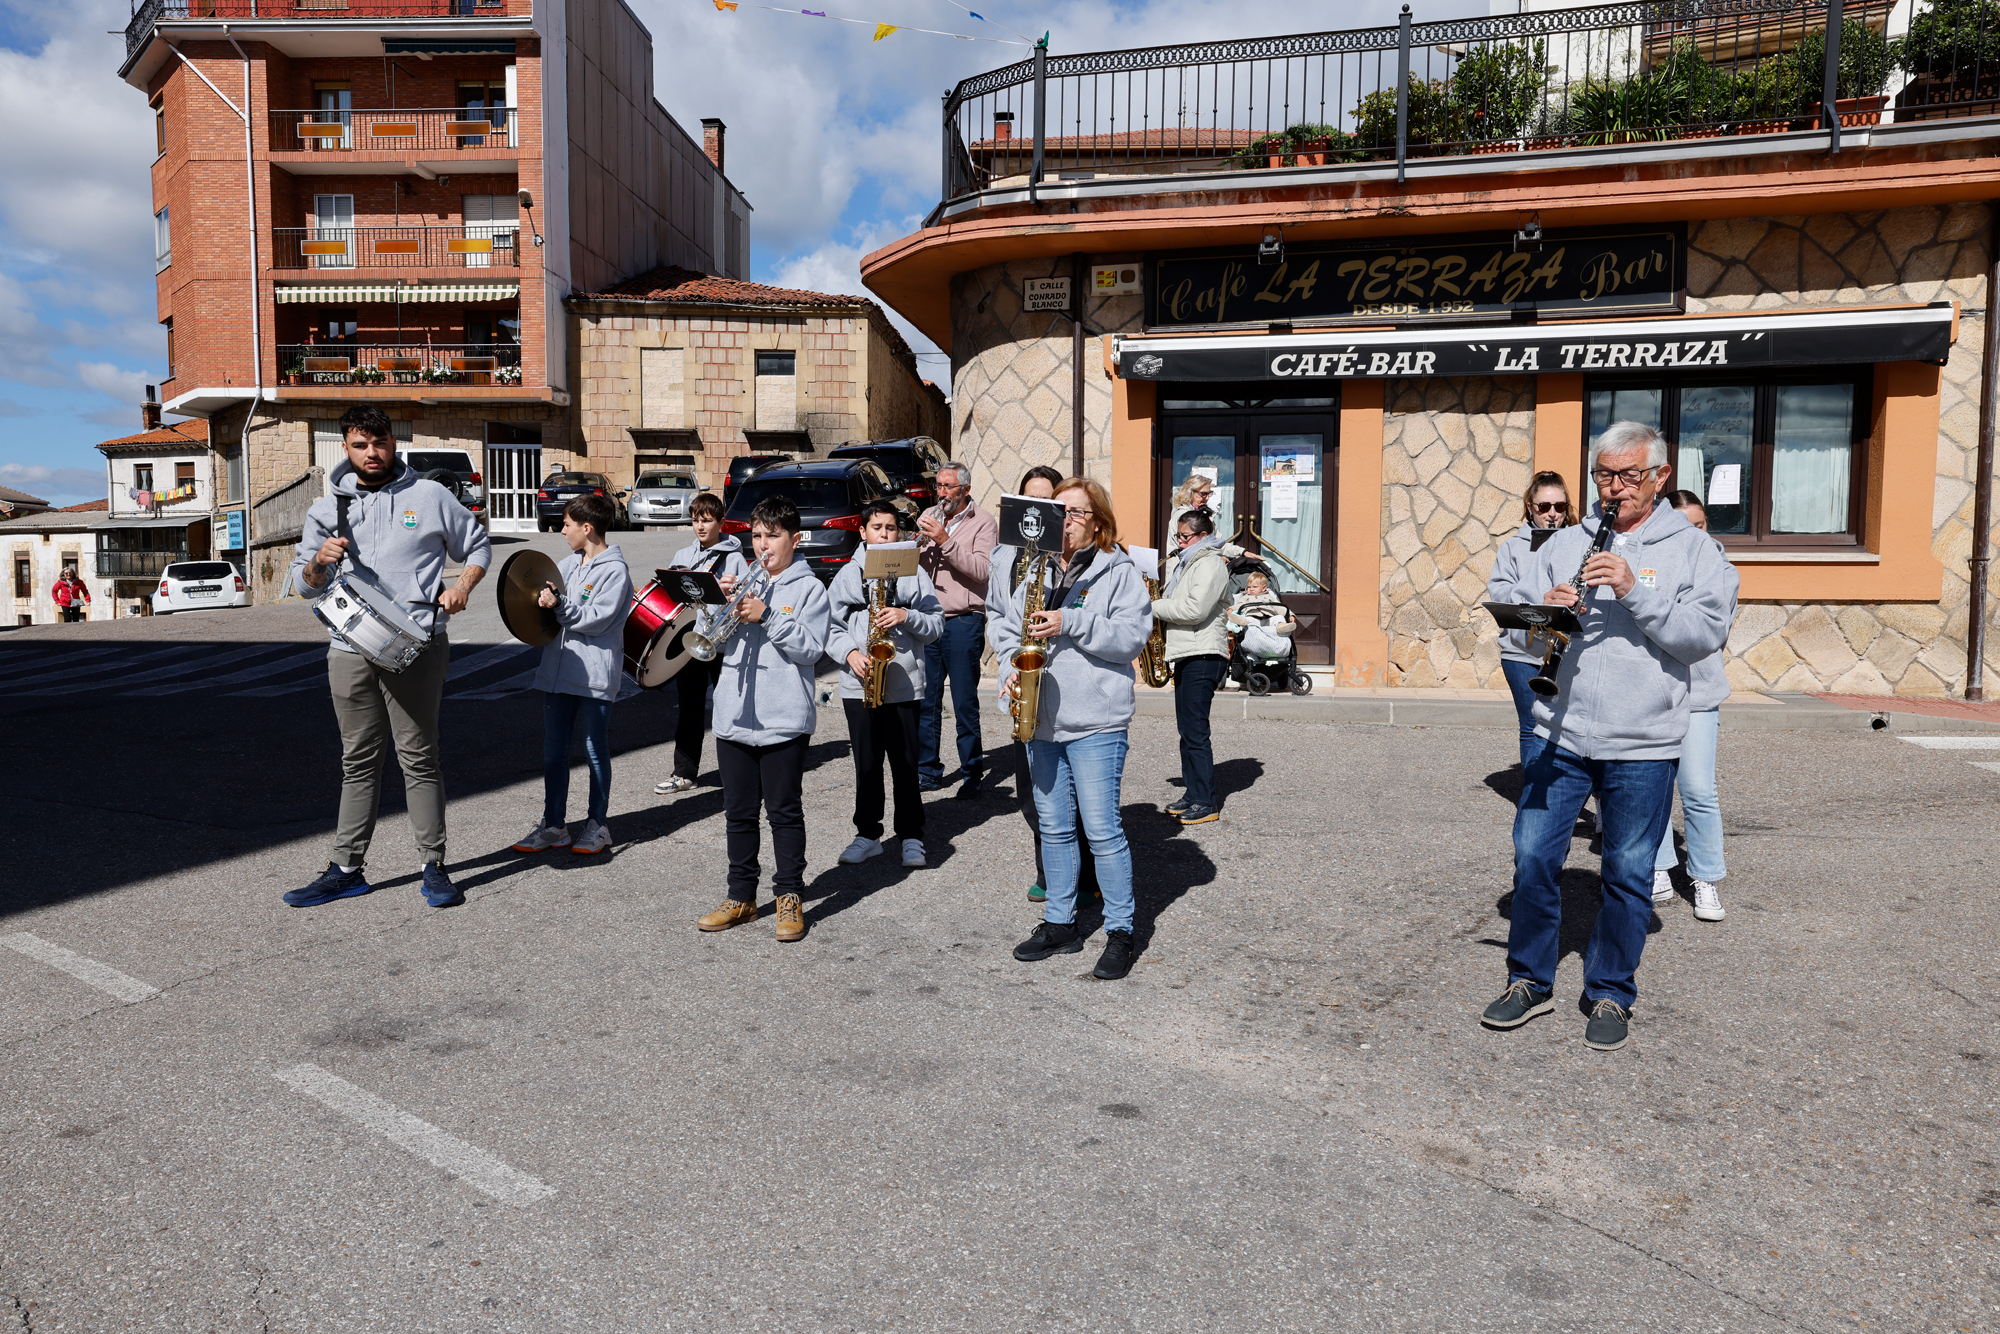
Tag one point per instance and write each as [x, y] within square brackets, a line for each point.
[833, 137]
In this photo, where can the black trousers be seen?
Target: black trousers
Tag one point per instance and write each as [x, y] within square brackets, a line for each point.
[693, 682]
[771, 778]
[1195, 682]
[1086, 880]
[890, 733]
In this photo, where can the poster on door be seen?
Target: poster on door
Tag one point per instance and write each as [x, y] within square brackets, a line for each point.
[1290, 461]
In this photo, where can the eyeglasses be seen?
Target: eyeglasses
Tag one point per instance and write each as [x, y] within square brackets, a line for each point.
[1629, 476]
[1079, 514]
[1551, 506]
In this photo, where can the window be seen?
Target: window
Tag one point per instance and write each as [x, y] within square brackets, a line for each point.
[183, 474]
[482, 99]
[495, 218]
[1779, 460]
[777, 363]
[24, 577]
[339, 326]
[168, 325]
[163, 246]
[142, 476]
[160, 128]
[235, 471]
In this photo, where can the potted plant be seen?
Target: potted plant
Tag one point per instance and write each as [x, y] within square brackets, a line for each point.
[1500, 88]
[1437, 123]
[507, 375]
[1867, 59]
[1621, 111]
[367, 375]
[1952, 52]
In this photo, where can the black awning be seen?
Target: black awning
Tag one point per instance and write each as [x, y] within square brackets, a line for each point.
[1842, 337]
[447, 46]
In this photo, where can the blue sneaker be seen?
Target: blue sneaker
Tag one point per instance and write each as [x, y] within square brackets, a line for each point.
[332, 884]
[439, 892]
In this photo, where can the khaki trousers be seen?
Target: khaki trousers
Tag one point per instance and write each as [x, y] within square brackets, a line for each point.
[372, 706]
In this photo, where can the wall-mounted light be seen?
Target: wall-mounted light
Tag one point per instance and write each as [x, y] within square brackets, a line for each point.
[1271, 250]
[1529, 238]
[528, 207]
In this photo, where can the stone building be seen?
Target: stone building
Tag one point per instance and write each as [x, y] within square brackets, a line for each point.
[678, 368]
[1371, 361]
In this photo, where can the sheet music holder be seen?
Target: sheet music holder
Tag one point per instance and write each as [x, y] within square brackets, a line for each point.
[890, 560]
[1147, 559]
[1028, 522]
[691, 586]
[1532, 616]
[1537, 536]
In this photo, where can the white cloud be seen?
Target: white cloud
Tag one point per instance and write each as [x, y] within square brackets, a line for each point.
[127, 386]
[835, 266]
[66, 485]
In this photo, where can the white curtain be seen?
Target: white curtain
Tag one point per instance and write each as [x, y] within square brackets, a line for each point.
[1298, 538]
[1812, 458]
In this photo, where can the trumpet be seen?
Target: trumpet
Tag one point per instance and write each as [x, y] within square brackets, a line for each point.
[1153, 668]
[705, 644]
[1544, 682]
[880, 650]
[1031, 657]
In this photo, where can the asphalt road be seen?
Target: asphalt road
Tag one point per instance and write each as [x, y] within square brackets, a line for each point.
[562, 1108]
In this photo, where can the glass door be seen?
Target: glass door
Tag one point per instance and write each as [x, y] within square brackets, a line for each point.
[333, 220]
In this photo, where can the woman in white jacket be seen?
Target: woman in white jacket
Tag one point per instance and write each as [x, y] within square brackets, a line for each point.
[1191, 606]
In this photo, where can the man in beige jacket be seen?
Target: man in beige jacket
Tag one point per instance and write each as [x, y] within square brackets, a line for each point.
[956, 540]
[1191, 607]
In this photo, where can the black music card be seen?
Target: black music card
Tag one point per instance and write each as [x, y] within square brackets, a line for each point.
[690, 586]
[1533, 616]
[1027, 522]
[1538, 536]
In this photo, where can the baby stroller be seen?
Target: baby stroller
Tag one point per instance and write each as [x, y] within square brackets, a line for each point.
[1262, 654]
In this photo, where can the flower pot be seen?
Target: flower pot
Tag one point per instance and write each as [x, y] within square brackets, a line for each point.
[1698, 132]
[1495, 146]
[1312, 152]
[1762, 126]
[1855, 111]
[1544, 143]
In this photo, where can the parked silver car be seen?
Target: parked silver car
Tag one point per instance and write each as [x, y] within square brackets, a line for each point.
[662, 497]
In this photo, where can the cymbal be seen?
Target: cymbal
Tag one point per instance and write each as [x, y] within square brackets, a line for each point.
[521, 580]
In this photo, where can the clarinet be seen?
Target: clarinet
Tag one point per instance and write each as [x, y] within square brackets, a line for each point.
[1543, 682]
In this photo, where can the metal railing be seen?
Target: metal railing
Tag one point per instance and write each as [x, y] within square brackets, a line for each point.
[1608, 74]
[380, 131]
[135, 564]
[472, 245]
[146, 13]
[371, 363]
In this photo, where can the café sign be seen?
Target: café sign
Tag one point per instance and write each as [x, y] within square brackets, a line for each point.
[1608, 272]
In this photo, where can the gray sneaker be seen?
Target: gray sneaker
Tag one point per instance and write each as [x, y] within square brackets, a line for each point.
[673, 785]
[1608, 1027]
[1707, 902]
[1663, 887]
[1516, 1006]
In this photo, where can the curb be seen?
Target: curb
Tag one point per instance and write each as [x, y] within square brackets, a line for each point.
[1500, 714]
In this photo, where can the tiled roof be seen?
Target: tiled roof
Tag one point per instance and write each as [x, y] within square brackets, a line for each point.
[8, 493]
[676, 284]
[85, 507]
[193, 431]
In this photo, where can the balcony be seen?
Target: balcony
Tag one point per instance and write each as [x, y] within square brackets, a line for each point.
[1509, 84]
[370, 364]
[345, 249]
[146, 13]
[431, 129]
[136, 564]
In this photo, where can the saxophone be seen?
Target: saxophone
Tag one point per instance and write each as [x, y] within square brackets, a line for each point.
[880, 651]
[1153, 668]
[1031, 657]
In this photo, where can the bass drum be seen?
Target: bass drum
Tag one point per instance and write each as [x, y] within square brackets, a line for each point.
[655, 636]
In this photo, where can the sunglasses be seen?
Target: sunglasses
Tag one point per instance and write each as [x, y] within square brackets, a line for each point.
[1551, 506]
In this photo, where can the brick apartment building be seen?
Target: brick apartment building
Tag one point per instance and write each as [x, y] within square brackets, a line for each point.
[387, 201]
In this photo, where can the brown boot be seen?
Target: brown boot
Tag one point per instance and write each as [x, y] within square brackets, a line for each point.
[733, 912]
[791, 918]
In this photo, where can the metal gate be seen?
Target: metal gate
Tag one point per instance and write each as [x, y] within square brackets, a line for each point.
[512, 474]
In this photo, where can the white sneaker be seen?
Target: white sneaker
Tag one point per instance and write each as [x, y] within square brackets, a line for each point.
[1663, 887]
[673, 785]
[594, 838]
[913, 852]
[860, 850]
[1707, 902]
[543, 837]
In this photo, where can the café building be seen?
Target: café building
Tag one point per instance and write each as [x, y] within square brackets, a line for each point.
[1370, 350]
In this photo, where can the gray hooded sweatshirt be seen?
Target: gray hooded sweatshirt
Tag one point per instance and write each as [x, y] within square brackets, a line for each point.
[398, 536]
[1709, 685]
[1625, 681]
[1106, 617]
[849, 632]
[588, 657]
[765, 692]
[725, 557]
[1511, 564]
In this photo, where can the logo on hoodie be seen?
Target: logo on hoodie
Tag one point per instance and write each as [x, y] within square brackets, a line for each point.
[409, 518]
[1650, 578]
[586, 592]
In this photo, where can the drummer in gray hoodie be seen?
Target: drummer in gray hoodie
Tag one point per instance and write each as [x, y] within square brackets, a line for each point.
[581, 671]
[765, 713]
[1660, 600]
[1096, 617]
[909, 619]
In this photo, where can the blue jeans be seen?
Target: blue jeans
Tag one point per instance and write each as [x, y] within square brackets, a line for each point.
[560, 713]
[1195, 683]
[1634, 799]
[1082, 777]
[953, 655]
[1701, 809]
[1517, 674]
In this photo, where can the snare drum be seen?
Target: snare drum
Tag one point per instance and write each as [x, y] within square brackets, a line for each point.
[370, 621]
[654, 631]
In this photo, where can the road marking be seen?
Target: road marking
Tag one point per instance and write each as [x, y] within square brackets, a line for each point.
[62, 672]
[512, 685]
[276, 667]
[1993, 765]
[102, 976]
[1955, 742]
[43, 661]
[426, 1141]
[467, 664]
[221, 658]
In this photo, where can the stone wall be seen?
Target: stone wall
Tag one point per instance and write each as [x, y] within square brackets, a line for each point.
[1012, 376]
[1913, 254]
[1456, 454]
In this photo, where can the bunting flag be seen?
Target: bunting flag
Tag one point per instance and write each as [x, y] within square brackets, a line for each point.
[881, 29]
[983, 19]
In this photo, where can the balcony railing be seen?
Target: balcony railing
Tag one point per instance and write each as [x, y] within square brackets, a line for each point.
[145, 13]
[1609, 74]
[424, 364]
[428, 129]
[472, 245]
[136, 564]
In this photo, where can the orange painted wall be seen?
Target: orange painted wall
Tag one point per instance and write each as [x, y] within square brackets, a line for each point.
[1559, 431]
[1133, 404]
[1360, 646]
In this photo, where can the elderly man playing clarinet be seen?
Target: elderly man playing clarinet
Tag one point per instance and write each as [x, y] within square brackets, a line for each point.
[1654, 600]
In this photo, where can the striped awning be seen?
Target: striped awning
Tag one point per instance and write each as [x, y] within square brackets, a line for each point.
[357, 294]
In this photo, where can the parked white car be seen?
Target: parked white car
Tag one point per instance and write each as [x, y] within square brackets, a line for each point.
[662, 497]
[197, 585]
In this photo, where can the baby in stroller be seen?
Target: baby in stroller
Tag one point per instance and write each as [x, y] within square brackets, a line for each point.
[1263, 654]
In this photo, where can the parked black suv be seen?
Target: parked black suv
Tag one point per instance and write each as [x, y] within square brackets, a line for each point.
[829, 494]
[743, 465]
[559, 488]
[911, 464]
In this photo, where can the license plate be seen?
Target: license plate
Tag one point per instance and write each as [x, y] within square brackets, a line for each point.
[202, 590]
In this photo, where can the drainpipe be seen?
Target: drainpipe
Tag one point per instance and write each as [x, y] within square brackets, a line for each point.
[1078, 272]
[256, 305]
[1982, 486]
